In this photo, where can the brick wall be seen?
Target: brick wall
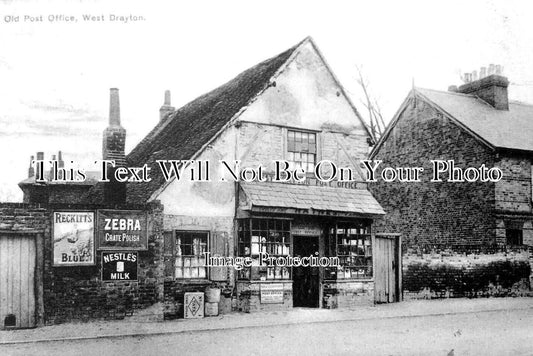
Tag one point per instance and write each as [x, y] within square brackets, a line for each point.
[249, 297]
[513, 191]
[437, 272]
[78, 292]
[22, 217]
[434, 212]
[348, 294]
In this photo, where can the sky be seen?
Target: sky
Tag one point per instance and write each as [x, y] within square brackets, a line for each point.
[55, 76]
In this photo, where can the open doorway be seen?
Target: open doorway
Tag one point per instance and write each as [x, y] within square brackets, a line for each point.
[306, 282]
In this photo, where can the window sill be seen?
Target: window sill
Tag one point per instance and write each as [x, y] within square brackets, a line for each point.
[349, 280]
[266, 282]
[192, 280]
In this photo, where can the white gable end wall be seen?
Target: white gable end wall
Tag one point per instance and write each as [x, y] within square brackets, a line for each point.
[305, 95]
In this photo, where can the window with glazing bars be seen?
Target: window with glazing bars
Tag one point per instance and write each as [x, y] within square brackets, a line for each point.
[189, 252]
[353, 242]
[301, 147]
[271, 236]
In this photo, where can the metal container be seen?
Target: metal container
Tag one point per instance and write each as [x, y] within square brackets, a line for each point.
[212, 295]
[211, 309]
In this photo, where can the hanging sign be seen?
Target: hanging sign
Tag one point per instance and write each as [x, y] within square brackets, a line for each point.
[119, 266]
[122, 230]
[73, 234]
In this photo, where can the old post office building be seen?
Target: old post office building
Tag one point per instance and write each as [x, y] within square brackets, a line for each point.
[290, 107]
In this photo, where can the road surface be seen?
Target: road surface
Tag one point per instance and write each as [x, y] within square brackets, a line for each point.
[481, 333]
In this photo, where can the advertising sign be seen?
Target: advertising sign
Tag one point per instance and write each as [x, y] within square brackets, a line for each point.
[73, 234]
[119, 266]
[193, 305]
[122, 230]
[271, 293]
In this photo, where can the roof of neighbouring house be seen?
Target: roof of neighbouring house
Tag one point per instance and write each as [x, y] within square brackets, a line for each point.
[91, 179]
[184, 132]
[512, 129]
[313, 199]
[505, 129]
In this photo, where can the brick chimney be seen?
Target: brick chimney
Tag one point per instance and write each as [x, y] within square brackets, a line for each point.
[166, 109]
[114, 135]
[492, 89]
[113, 148]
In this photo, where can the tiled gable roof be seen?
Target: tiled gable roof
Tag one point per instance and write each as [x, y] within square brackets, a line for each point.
[311, 198]
[184, 132]
[510, 129]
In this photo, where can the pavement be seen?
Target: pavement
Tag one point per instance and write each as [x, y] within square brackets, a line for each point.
[136, 326]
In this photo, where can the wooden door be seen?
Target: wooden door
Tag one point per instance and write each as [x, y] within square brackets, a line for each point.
[17, 283]
[387, 268]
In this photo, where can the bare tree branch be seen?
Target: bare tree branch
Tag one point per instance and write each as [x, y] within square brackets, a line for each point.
[375, 118]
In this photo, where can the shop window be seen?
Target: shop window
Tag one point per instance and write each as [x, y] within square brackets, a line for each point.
[301, 147]
[514, 237]
[185, 251]
[271, 236]
[352, 243]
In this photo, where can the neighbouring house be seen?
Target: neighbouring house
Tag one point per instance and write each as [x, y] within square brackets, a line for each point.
[461, 238]
[290, 107]
[47, 190]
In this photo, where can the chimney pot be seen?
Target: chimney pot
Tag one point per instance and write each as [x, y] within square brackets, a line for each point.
[40, 156]
[482, 72]
[114, 107]
[51, 167]
[166, 109]
[31, 170]
[60, 162]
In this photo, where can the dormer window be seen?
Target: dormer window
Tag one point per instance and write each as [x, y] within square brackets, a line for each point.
[301, 147]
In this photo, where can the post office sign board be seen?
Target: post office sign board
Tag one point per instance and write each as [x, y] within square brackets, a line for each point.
[271, 293]
[119, 266]
[122, 230]
[73, 234]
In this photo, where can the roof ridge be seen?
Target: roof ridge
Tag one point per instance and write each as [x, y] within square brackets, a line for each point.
[190, 128]
[509, 129]
[446, 92]
[160, 126]
[518, 102]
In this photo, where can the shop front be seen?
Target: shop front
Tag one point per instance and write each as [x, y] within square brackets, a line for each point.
[310, 246]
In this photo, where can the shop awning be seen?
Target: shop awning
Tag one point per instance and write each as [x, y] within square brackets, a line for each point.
[305, 199]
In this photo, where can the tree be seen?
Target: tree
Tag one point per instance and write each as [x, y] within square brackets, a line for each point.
[375, 118]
